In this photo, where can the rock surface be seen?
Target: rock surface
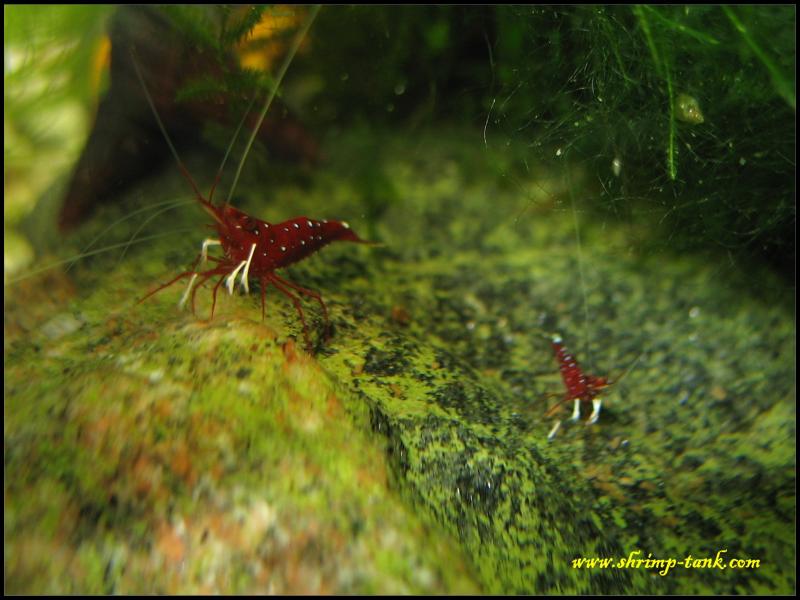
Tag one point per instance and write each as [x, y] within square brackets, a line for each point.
[148, 450]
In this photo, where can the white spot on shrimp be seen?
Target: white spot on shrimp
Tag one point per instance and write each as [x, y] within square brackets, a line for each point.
[310, 224]
[283, 248]
[296, 226]
[286, 229]
[303, 242]
[345, 224]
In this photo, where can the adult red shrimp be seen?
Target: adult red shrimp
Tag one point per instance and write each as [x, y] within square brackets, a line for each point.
[253, 248]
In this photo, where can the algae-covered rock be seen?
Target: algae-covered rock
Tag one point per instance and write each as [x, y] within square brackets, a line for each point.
[150, 450]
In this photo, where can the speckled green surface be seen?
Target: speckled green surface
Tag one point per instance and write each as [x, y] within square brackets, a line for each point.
[148, 450]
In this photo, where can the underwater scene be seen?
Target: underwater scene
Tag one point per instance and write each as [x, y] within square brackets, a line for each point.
[399, 300]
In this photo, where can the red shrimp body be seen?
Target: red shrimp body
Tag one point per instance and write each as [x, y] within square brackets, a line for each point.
[579, 385]
[253, 248]
[277, 245]
[581, 388]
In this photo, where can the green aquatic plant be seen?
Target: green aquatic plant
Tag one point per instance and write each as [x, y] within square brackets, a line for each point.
[219, 30]
[683, 115]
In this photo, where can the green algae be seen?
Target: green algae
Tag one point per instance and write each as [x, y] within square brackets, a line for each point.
[157, 436]
[410, 453]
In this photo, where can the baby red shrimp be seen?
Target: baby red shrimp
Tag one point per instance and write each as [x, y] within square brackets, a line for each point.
[252, 247]
[581, 388]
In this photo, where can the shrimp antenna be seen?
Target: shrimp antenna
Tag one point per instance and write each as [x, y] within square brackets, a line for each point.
[628, 370]
[164, 206]
[69, 261]
[558, 404]
[206, 204]
[579, 252]
[164, 129]
[284, 67]
[230, 147]
[183, 169]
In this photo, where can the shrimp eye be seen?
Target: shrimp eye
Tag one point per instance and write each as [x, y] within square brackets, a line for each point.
[250, 225]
